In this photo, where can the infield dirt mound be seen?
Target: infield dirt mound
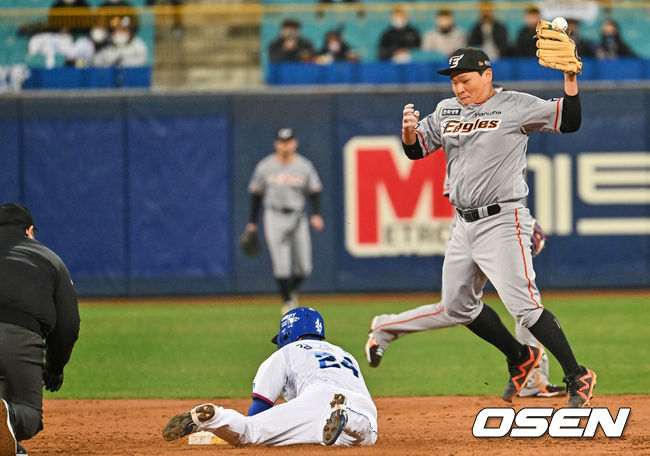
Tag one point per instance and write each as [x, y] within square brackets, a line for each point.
[407, 426]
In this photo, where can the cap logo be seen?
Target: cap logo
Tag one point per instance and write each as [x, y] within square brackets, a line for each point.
[454, 60]
[284, 133]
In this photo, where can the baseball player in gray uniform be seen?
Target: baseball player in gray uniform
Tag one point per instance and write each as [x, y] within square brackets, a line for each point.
[282, 182]
[386, 328]
[485, 135]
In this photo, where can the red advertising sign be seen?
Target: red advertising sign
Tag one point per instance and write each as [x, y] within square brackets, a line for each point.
[393, 205]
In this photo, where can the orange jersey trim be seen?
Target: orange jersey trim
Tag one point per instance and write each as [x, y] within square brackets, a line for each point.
[442, 309]
[426, 149]
[557, 114]
[523, 257]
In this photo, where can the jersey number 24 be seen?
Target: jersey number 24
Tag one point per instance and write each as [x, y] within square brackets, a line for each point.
[327, 360]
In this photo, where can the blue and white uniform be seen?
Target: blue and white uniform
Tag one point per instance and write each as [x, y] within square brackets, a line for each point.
[306, 373]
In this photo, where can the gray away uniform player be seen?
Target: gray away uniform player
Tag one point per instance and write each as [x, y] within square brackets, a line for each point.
[283, 181]
[386, 328]
[328, 402]
[485, 135]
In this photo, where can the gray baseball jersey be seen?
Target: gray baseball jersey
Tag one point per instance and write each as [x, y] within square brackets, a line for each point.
[486, 144]
[285, 188]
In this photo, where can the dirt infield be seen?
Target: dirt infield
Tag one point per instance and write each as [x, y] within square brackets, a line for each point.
[407, 426]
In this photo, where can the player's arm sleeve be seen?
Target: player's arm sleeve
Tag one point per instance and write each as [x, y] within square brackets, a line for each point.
[257, 406]
[256, 202]
[536, 114]
[61, 340]
[270, 379]
[427, 135]
[571, 113]
[314, 200]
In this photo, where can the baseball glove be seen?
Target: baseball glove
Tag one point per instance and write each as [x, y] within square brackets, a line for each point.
[538, 240]
[250, 243]
[556, 50]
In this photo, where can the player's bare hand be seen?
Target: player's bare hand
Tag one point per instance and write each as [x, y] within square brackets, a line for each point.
[317, 222]
[410, 117]
[251, 227]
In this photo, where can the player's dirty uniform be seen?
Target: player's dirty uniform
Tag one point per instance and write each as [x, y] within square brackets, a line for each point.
[285, 188]
[307, 374]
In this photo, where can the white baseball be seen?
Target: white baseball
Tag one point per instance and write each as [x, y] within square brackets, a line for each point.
[560, 23]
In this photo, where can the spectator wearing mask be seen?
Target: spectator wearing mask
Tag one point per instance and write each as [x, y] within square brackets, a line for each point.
[446, 37]
[289, 45]
[85, 48]
[125, 50]
[398, 40]
[612, 45]
[488, 33]
[335, 49]
[526, 45]
[584, 47]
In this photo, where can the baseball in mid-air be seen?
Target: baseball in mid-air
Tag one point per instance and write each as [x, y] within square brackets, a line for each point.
[560, 23]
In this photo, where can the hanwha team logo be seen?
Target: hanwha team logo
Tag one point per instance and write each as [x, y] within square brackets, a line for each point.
[453, 61]
[393, 206]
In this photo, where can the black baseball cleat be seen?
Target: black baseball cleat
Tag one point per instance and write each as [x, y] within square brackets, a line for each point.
[186, 423]
[374, 352]
[551, 390]
[520, 371]
[337, 420]
[8, 441]
[580, 386]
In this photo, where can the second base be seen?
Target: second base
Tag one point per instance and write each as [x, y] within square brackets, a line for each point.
[205, 438]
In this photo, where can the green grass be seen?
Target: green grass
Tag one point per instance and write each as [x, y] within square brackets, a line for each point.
[183, 350]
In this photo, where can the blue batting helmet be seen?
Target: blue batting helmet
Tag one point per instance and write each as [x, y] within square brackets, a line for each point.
[298, 322]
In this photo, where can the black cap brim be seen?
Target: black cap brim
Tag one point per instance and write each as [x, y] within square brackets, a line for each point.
[446, 71]
[274, 340]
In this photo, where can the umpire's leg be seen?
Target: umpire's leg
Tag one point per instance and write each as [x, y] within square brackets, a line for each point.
[21, 378]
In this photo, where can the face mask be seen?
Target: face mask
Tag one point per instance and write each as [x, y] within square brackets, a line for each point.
[399, 22]
[120, 38]
[98, 35]
[334, 46]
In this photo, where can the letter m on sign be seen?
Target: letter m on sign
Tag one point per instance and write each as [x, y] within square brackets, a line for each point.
[393, 205]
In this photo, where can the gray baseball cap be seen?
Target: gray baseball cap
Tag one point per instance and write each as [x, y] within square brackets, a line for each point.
[468, 59]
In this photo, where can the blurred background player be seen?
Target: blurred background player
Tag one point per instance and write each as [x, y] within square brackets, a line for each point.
[283, 181]
[37, 303]
[309, 373]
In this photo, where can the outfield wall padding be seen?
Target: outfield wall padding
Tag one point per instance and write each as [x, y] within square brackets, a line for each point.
[146, 194]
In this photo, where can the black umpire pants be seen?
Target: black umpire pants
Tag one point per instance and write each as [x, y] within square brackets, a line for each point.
[21, 378]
